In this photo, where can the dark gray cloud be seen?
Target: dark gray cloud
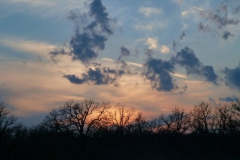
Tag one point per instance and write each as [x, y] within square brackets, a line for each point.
[174, 45]
[182, 35]
[97, 76]
[209, 74]
[220, 18]
[124, 52]
[237, 9]
[226, 34]
[221, 21]
[158, 72]
[229, 99]
[58, 52]
[98, 11]
[203, 28]
[149, 53]
[187, 58]
[223, 7]
[84, 46]
[75, 80]
[89, 40]
[232, 77]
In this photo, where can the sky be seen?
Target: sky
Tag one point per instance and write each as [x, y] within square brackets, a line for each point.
[147, 54]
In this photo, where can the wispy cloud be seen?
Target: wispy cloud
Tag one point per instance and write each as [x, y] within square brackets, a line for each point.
[151, 26]
[31, 46]
[135, 64]
[179, 75]
[34, 2]
[150, 11]
[108, 59]
[44, 8]
[200, 9]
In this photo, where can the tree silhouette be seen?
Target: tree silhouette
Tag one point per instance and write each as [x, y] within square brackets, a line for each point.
[77, 117]
[116, 133]
[200, 118]
[6, 120]
[176, 122]
[121, 118]
[7, 123]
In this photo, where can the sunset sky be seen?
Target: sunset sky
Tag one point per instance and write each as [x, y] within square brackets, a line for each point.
[148, 54]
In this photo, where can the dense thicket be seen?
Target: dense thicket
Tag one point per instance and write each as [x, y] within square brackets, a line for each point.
[95, 130]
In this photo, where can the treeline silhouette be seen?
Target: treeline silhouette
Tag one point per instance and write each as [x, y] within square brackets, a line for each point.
[97, 130]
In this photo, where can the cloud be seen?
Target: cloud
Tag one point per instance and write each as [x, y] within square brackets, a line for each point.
[135, 64]
[229, 99]
[220, 19]
[200, 9]
[149, 11]
[183, 35]
[86, 44]
[190, 13]
[152, 42]
[209, 74]
[226, 34]
[175, 44]
[31, 46]
[158, 72]
[232, 77]
[34, 3]
[237, 9]
[108, 59]
[124, 52]
[151, 26]
[153, 45]
[178, 1]
[43, 8]
[203, 28]
[187, 58]
[184, 13]
[98, 11]
[165, 49]
[179, 75]
[97, 76]
[27, 98]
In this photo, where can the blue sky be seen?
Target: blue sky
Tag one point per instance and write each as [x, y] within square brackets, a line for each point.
[151, 55]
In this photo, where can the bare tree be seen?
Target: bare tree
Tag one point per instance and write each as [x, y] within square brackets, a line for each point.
[177, 122]
[236, 106]
[200, 118]
[226, 119]
[141, 125]
[121, 117]
[53, 123]
[6, 119]
[77, 117]
[223, 118]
